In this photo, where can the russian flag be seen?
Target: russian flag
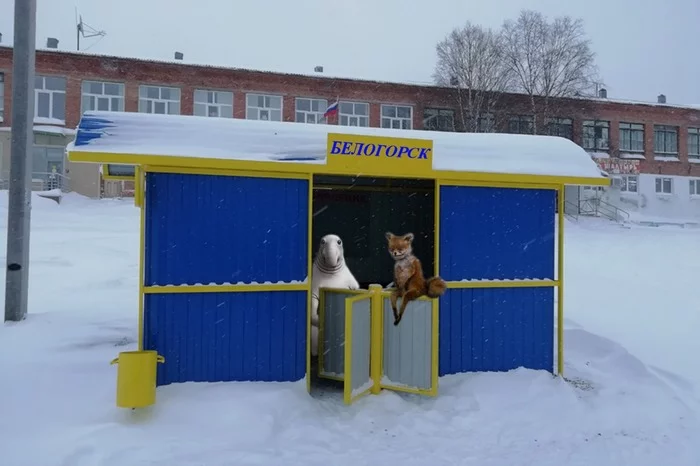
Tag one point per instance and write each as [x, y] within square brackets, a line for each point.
[331, 110]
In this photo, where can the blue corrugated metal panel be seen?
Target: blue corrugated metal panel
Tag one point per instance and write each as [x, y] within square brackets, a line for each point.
[496, 329]
[210, 337]
[225, 229]
[496, 233]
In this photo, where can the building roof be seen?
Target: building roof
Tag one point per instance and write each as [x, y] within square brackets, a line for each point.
[177, 140]
[330, 77]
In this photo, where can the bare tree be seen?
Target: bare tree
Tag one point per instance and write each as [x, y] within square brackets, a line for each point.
[548, 60]
[471, 59]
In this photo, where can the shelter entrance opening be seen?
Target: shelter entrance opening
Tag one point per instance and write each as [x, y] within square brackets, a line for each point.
[360, 209]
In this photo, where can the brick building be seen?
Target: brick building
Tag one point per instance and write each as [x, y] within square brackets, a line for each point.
[651, 150]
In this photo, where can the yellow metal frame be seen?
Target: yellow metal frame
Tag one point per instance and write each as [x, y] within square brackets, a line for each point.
[106, 176]
[377, 295]
[187, 164]
[434, 348]
[484, 284]
[348, 398]
[560, 283]
[142, 275]
[503, 284]
[321, 320]
[180, 289]
[139, 200]
[145, 163]
[309, 268]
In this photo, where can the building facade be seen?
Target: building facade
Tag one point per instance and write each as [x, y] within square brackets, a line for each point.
[650, 150]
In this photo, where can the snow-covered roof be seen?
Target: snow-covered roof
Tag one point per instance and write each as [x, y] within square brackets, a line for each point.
[121, 137]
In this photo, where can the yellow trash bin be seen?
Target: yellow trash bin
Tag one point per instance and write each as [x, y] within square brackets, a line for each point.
[136, 378]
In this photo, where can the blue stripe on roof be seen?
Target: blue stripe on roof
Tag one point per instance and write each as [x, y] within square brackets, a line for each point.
[91, 127]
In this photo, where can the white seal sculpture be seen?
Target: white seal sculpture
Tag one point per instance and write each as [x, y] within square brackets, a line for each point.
[329, 271]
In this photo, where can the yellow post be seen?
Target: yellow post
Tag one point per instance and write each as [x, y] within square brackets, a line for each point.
[136, 378]
[347, 365]
[376, 313]
[309, 267]
[560, 288]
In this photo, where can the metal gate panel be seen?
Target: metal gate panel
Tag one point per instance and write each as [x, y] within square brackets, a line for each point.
[409, 356]
[331, 338]
[357, 378]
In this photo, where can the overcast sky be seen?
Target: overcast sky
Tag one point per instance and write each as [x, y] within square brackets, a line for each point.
[643, 48]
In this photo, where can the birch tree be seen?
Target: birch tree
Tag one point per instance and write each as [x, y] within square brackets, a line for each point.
[471, 59]
[548, 60]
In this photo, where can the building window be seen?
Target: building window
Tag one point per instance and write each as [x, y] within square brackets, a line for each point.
[310, 110]
[438, 119]
[664, 185]
[159, 99]
[47, 139]
[105, 96]
[50, 98]
[487, 123]
[629, 183]
[665, 140]
[694, 186]
[397, 116]
[521, 124]
[2, 96]
[215, 104]
[632, 137]
[353, 114]
[596, 135]
[693, 142]
[562, 127]
[263, 107]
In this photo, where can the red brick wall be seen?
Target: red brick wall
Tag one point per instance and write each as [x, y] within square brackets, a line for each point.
[131, 72]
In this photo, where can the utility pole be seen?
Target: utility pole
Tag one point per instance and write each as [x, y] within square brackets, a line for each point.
[19, 205]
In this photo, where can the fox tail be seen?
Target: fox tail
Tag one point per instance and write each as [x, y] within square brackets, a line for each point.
[435, 287]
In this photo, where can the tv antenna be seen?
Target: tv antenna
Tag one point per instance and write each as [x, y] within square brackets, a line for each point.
[85, 30]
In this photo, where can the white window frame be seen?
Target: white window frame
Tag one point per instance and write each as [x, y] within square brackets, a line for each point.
[392, 120]
[113, 100]
[254, 112]
[303, 116]
[204, 101]
[659, 183]
[171, 105]
[347, 119]
[2, 96]
[694, 187]
[627, 181]
[52, 93]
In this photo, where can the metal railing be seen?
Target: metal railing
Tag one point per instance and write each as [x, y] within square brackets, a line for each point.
[41, 181]
[599, 208]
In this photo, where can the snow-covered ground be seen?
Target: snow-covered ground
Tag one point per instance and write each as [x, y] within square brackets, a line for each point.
[632, 317]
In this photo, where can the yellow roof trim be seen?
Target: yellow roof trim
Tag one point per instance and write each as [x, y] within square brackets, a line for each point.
[319, 168]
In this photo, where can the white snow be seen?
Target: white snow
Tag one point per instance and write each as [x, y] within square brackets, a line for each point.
[185, 285]
[48, 121]
[631, 353]
[59, 130]
[239, 139]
